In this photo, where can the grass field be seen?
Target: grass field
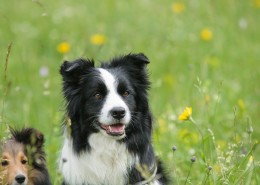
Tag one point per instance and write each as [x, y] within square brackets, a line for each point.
[204, 54]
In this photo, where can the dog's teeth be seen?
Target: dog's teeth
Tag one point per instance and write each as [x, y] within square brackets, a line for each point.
[109, 128]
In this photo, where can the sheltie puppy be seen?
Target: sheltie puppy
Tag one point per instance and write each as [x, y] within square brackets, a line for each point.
[109, 124]
[23, 159]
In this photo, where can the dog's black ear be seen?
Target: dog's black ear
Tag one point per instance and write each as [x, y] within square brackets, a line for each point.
[134, 65]
[137, 59]
[72, 71]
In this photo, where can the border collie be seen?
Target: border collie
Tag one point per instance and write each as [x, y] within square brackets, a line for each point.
[23, 159]
[109, 125]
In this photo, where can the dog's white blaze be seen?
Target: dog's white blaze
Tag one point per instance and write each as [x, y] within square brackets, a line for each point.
[107, 162]
[113, 99]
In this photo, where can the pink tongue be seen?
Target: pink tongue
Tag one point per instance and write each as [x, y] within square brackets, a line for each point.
[114, 129]
[117, 128]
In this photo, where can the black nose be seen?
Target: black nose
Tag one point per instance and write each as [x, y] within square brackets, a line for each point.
[20, 178]
[118, 112]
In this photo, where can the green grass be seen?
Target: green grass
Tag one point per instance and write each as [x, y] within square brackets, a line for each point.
[218, 78]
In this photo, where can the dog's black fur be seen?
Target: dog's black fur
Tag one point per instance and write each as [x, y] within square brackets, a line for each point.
[79, 79]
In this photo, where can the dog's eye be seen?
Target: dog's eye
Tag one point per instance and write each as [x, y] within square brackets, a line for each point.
[98, 96]
[4, 163]
[24, 161]
[126, 93]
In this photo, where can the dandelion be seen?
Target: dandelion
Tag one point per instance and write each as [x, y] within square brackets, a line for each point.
[169, 80]
[188, 137]
[250, 162]
[63, 47]
[186, 114]
[178, 7]
[212, 61]
[162, 126]
[257, 3]
[207, 98]
[241, 104]
[98, 39]
[217, 167]
[206, 34]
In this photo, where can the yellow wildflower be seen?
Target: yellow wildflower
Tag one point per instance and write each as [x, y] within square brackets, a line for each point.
[169, 80]
[178, 7]
[250, 162]
[212, 61]
[63, 47]
[221, 144]
[186, 114]
[217, 168]
[241, 104]
[251, 158]
[257, 3]
[162, 125]
[188, 137]
[206, 34]
[98, 39]
[207, 98]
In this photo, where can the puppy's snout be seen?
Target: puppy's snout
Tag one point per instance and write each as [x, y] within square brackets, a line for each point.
[118, 112]
[20, 178]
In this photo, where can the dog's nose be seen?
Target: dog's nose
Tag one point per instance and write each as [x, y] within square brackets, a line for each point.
[20, 178]
[118, 112]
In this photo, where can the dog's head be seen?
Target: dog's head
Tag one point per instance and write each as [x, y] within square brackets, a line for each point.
[14, 163]
[19, 155]
[105, 99]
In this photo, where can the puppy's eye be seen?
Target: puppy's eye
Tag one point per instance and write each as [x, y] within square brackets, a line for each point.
[24, 161]
[4, 163]
[126, 93]
[98, 96]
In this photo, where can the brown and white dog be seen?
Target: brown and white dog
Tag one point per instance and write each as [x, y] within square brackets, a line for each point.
[23, 159]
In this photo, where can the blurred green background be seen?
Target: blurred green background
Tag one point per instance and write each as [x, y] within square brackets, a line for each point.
[204, 54]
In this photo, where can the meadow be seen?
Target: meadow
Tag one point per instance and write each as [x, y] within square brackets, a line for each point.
[204, 56]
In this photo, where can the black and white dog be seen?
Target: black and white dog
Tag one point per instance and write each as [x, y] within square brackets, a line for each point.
[108, 133]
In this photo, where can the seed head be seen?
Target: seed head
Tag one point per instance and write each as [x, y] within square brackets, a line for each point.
[174, 148]
[193, 159]
[250, 130]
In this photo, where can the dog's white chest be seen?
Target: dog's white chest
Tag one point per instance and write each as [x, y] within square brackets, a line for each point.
[107, 162]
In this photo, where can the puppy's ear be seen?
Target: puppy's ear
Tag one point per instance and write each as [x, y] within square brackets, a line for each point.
[28, 136]
[37, 138]
[72, 71]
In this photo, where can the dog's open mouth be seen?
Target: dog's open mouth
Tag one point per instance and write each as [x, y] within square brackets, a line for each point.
[114, 129]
